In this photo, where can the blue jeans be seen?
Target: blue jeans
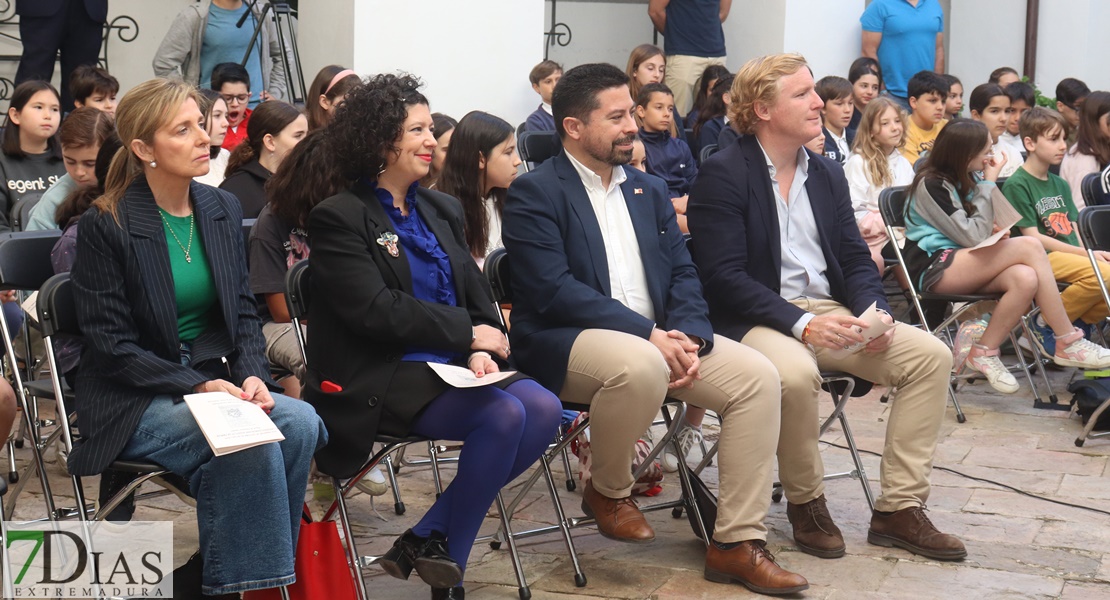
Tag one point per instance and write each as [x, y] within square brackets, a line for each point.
[249, 502]
[903, 102]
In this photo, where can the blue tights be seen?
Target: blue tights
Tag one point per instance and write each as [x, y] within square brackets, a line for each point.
[503, 433]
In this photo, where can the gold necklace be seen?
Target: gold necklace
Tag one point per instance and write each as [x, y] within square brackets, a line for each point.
[184, 248]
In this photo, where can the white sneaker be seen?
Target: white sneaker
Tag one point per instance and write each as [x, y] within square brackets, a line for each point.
[374, 483]
[1073, 350]
[987, 362]
[687, 437]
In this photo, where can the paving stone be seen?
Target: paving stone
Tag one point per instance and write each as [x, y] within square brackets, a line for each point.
[990, 527]
[619, 579]
[1087, 533]
[1007, 503]
[1078, 486]
[1036, 482]
[1016, 557]
[1037, 460]
[1083, 591]
[691, 585]
[932, 580]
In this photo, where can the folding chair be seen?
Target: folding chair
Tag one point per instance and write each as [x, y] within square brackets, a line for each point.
[1096, 188]
[24, 266]
[537, 146]
[892, 206]
[298, 297]
[1094, 231]
[21, 212]
[58, 317]
[498, 272]
[706, 152]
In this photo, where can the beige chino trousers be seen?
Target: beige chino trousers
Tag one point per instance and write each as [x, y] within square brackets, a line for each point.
[624, 380]
[916, 363]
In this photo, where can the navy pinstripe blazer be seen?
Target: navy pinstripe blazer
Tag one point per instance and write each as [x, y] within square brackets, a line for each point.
[128, 315]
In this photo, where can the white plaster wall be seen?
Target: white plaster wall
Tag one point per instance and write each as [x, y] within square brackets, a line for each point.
[973, 52]
[326, 35]
[754, 29]
[1073, 43]
[471, 55]
[826, 33]
[600, 32]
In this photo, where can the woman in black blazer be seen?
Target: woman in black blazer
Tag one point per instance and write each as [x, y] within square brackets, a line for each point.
[394, 287]
[163, 302]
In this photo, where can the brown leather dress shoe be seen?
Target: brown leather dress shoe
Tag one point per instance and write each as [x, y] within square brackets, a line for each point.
[911, 529]
[814, 530]
[617, 518]
[751, 565]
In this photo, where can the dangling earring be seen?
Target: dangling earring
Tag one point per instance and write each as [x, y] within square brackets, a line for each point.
[153, 164]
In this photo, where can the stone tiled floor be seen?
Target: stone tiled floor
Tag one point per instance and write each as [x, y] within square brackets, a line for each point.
[1019, 547]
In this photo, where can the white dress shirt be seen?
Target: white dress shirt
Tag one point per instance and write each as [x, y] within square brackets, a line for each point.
[493, 228]
[803, 263]
[627, 279]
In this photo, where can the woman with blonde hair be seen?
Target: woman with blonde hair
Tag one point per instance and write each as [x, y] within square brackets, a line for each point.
[874, 165]
[161, 293]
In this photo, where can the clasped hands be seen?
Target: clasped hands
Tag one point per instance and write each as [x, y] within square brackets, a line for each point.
[253, 391]
[681, 355]
[487, 339]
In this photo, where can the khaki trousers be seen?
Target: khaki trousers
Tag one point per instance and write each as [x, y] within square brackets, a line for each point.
[1083, 298]
[624, 380]
[917, 363]
[682, 75]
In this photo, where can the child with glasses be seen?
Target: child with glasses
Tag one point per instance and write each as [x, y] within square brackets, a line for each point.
[233, 83]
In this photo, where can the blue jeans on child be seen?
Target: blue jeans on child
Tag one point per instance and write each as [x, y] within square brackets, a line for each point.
[249, 502]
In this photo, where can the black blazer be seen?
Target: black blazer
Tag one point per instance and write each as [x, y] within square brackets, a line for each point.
[127, 312]
[248, 184]
[363, 316]
[561, 276]
[97, 9]
[735, 227]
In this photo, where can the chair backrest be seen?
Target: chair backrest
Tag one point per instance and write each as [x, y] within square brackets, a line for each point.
[57, 312]
[248, 225]
[536, 147]
[499, 276]
[707, 151]
[1094, 193]
[21, 212]
[1094, 227]
[25, 259]
[297, 282]
[892, 205]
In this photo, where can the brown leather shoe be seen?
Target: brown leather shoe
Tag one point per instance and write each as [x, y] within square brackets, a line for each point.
[911, 529]
[617, 518]
[751, 565]
[814, 530]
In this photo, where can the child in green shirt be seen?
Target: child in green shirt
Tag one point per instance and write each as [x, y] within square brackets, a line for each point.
[1049, 214]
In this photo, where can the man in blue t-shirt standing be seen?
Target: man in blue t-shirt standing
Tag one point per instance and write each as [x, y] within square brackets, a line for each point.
[692, 40]
[905, 36]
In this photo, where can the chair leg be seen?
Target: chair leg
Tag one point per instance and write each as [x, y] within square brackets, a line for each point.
[960, 417]
[514, 556]
[398, 505]
[571, 483]
[13, 472]
[560, 516]
[858, 461]
[688, 496]
[433, 455]
[349, 538]
[1091, 422]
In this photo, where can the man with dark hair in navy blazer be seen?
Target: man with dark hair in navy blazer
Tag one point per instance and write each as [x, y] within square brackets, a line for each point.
[786, 272]
[76, 27]
[607, 311]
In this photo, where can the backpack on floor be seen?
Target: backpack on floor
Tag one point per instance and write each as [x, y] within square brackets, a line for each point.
[647, 485]
[1089, 394]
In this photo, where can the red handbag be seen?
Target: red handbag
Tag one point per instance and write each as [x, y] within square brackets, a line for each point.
[321, 566]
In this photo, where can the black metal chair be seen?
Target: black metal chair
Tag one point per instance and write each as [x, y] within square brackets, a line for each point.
[21, 212]
[537, 146]
[1094, 189]
[25, 266]
[498, 272]
[892, 206]
[706, 152]
[1094, 231]
[298, 300]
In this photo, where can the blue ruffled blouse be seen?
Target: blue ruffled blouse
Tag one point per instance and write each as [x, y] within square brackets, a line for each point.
[432, 276]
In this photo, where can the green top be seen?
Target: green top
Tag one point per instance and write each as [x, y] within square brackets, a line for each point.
[1043, 203]
[193, 285]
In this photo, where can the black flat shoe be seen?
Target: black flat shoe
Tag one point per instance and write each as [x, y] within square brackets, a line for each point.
[397, 561]
[451, 593]
[435, 566]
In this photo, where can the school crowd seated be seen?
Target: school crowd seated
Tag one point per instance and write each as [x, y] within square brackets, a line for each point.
[723, 258]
